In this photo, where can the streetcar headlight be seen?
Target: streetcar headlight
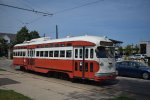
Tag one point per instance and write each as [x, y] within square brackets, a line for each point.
[101, 64]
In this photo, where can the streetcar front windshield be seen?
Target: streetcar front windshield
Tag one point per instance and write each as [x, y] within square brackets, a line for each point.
[105, 52]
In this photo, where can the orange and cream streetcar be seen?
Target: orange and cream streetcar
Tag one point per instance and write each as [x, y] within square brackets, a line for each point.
[85, 57]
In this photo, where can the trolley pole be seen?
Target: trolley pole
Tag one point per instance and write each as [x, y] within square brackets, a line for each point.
[56, 32]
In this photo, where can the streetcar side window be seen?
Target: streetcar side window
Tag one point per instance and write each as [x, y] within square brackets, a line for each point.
[16, 53]
[41, 53]
[37, 53]
[62, 53]
[50, 53]
[31, 53]
[68, 53]
[46, 53]
[28, 53]
[24, 53]
[91, 53]
[80, 53]
[56, 53]
[86, 53]
[76, 53]
[19, 53]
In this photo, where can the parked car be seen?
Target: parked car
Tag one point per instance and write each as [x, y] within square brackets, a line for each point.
[132, 57]
[137, 56]
[133, 69]
[118, 58]
[140, 56]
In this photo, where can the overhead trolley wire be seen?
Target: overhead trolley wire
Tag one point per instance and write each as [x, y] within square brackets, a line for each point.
[50, 14]
[83, 5]
[86, 4]
[31, 10]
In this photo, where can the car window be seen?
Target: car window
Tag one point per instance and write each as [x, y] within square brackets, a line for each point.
[135, 64]
[132, 64]
[122, 64]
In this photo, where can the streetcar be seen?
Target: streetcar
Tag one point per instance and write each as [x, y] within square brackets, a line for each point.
[83, 57]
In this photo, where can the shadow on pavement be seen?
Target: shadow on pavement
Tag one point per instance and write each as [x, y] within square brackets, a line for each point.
[7, 81]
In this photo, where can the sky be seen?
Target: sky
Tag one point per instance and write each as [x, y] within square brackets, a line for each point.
[124, 20]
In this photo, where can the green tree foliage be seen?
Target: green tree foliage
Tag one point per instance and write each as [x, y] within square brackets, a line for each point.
[120, 49]
[128, 50]
[3, 47]
[24, 35]
[34, 34]
[136, 49]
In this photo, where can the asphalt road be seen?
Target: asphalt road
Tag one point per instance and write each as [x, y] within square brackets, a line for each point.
[38, 86]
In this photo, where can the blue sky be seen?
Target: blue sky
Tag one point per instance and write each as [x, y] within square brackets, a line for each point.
[124, 20]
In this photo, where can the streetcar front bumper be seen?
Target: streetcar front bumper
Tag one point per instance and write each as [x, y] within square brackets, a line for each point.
[105, 76]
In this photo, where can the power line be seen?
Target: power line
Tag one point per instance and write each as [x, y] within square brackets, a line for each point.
[31, 10]
[35, 6]
[46, 14]
[90, 3]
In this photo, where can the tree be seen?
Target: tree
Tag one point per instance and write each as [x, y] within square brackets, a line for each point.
[128, 50]
[34, 34]
[120, 49]
[3, 47]
[22, 35]
[136, 49]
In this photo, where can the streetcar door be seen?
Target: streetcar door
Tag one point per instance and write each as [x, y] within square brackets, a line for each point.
[79, 62]
[24, 58]
[31, 61]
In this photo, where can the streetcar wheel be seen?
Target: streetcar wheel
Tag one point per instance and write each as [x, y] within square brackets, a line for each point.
[145, 75]
[22, 68]
[72, 80]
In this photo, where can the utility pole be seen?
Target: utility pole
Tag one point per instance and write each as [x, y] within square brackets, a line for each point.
[44, 35]
[56, 32]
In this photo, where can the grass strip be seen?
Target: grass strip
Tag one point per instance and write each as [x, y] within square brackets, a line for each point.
[2, 70]
[12, 95]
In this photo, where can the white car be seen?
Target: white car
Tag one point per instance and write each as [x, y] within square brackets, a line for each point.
[137, 56]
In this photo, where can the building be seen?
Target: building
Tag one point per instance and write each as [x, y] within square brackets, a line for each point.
[116, 42]
[8, 37]
[145, 48]
[6, 49]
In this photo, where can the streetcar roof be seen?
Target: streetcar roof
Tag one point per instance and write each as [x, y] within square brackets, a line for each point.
[93, 39]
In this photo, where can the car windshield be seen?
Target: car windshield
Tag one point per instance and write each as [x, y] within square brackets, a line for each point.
[105, 52]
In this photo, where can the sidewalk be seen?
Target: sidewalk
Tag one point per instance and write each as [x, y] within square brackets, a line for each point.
[39, 89]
